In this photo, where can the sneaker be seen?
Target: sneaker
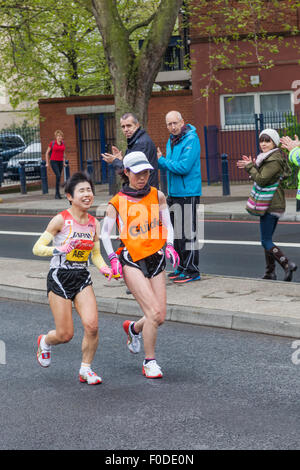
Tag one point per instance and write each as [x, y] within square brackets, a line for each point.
[151, 370]
[43, 355]
[186, 278]
[90, 377]
[174, 274]
[133, 341]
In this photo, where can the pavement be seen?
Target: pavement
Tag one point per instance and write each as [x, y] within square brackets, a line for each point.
[244, 304]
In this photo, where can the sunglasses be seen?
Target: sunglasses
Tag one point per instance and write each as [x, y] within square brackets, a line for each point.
[265, 139]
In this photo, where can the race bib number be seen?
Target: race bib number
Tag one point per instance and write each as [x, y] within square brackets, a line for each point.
[81, 253]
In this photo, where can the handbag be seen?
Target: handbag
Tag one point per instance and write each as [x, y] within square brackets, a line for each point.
[260, 198]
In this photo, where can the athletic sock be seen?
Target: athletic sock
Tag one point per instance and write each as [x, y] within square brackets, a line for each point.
[43, 343]
[133, 330]
[84, 368]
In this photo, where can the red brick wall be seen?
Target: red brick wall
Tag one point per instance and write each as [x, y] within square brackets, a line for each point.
[277, 78]
[53, 116]
[274, 18]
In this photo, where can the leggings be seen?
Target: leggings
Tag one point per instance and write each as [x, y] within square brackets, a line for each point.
[268, 223]
[57, 167]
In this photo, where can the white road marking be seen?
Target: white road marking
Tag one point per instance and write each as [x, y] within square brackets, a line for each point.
[208, 242]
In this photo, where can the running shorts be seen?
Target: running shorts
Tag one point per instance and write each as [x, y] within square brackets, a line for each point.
[67, 283]
[150, 266]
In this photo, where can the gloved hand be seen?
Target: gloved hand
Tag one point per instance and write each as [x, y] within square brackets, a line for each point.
[116, 266]
[66, 248]
[172, 255]
[107, 272]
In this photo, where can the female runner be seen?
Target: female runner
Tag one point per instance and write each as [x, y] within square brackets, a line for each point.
[75, 234]
[143, 219]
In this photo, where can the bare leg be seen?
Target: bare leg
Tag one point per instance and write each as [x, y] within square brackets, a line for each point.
[86, 306]
[62, 312]
[151, 296]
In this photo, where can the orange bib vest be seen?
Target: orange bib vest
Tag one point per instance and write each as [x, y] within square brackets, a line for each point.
[141, 230]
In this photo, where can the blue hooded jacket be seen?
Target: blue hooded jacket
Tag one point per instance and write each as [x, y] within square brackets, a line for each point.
[183, 165]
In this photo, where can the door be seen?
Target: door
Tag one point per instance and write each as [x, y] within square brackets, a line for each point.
[96, 135]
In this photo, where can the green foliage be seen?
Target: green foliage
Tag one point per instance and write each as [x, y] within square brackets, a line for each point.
[54, 47]
[291, 128]
[50, 48]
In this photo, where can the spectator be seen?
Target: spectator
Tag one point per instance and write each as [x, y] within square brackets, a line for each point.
[267, 170]
[57, 155]
[293, 146]
[137, 141]
[182, 163]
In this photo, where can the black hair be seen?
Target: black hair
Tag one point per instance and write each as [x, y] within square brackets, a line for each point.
[76, 178]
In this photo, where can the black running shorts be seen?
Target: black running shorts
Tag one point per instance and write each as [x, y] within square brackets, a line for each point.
[67, 283]
[150, 266]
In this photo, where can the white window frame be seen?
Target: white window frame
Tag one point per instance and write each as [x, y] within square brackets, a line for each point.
[257, 109]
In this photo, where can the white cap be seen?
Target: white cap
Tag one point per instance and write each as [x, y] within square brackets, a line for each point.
[272, 134]
[136, 162]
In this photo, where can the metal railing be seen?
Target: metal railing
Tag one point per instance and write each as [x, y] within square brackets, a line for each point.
[244, 140]
[20, 144]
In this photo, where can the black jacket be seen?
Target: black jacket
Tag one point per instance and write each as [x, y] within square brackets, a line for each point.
[140, 141]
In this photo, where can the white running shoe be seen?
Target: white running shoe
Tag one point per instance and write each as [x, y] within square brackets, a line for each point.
[89, 377]
[133, 341]
[151, 370]
[43, 354]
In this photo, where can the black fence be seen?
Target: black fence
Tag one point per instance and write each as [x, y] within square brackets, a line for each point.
[20, 148]
[235, 141]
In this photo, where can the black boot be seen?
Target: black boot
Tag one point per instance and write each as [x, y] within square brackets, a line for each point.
[288, 266]
[270, 266]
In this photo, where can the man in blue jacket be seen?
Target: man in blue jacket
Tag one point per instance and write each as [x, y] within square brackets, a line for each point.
[182, 162]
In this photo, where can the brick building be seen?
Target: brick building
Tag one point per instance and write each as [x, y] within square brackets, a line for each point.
[80, 119]
[241, 86]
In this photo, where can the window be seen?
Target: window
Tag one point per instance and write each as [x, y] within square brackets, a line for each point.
[239, 110]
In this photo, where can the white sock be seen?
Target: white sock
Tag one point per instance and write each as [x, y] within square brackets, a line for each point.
[84, 368]
[44, 345]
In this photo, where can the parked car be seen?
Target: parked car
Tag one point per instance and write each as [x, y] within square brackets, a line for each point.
[10, 145]
[32, 156]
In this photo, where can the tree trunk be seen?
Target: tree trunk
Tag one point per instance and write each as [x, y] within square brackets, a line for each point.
[134, 74]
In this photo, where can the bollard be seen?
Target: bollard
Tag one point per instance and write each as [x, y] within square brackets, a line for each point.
[67, 170]
[90, 168]
[111, 180]
[22, 177]
[1, 170]
[44, 179]
[225, 175]
[163, 181]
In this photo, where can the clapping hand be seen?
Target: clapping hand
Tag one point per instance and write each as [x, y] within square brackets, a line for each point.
[110, 157]
[159, 153]
[244, 162]
[288, 143]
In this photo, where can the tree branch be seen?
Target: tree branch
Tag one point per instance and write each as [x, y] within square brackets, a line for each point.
[146, 22]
